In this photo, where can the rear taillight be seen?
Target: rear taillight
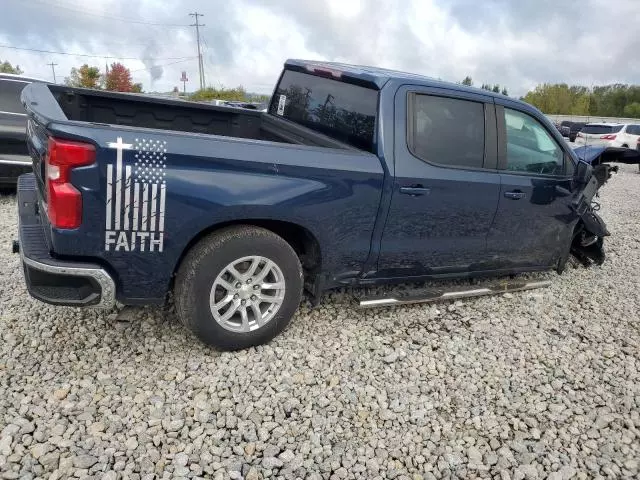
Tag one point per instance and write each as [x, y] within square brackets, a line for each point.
[608, 137]
[64, 201]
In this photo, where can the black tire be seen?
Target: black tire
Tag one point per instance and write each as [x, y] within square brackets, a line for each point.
[208, 258]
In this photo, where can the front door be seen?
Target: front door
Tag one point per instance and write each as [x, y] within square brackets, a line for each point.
[534, 223]
[446, 187]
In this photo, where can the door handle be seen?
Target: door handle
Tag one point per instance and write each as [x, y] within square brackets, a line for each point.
[415, 190]
[515, 195]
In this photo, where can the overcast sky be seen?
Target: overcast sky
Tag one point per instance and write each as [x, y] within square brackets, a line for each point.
[514, 43]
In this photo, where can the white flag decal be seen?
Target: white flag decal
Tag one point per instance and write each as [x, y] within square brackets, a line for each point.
[136, 197]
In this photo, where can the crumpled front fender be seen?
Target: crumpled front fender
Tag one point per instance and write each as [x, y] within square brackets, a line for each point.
[587, 246]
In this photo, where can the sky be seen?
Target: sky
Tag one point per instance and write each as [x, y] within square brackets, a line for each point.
[517, 44]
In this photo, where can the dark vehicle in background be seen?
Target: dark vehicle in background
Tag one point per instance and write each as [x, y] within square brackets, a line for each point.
[563, 129]
[574, 129]
[570, 129]
[14, 156]
[354, 176]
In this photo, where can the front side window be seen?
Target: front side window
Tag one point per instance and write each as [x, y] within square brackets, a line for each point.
[530, 148]
[448, 131]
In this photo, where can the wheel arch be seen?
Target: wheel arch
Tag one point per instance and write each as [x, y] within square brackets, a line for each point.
[301, 239]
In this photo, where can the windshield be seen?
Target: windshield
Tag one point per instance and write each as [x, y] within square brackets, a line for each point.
[339, 110]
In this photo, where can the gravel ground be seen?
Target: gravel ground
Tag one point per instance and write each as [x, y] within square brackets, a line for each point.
[532, 385]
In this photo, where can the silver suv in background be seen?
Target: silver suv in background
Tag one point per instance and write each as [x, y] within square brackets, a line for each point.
[14, 157]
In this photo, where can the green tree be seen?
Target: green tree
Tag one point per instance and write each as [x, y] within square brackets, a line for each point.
[504, 91]
[468, 81]
[605, 100]
[136, 88]
[85, 77]
[632, 110]
[211, 93]
[6, 67]
[496, 88]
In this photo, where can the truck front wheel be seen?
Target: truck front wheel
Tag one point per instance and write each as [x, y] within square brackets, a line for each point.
[238, 287]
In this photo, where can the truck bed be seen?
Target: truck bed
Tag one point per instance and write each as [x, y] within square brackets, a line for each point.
[136, 110]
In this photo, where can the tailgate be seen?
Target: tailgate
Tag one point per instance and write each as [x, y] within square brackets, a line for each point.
[37, 145]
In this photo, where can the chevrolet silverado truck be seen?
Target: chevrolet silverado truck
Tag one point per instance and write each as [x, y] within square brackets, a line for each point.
[354, 176]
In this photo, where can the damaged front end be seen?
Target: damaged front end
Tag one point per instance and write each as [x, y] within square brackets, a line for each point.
[588, 236]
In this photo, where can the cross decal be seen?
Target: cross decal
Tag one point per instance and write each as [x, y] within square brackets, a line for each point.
[119, 145]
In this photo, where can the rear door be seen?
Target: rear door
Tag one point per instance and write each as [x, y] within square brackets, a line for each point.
[534, 222]
[445, 190]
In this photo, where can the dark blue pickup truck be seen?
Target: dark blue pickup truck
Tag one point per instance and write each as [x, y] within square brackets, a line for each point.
[354, 176]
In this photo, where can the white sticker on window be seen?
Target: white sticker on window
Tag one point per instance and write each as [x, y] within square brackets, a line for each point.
[281, 103]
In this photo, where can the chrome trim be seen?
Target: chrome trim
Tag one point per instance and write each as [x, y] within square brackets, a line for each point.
[13, 113]
[18, 80]
[15, 160]
[107, 285]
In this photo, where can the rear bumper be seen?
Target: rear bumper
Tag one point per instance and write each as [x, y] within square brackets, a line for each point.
[51, 280]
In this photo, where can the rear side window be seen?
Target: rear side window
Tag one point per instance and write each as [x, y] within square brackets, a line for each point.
[447, 131]
[339, 110]
[10, 91]
[601, 129]
[633, 129]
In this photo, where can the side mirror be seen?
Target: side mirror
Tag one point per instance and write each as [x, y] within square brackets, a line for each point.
[583, 173]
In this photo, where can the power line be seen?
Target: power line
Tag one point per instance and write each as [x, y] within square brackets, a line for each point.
[200, 65]
[53, 69]
[120, 19]
[87, 55]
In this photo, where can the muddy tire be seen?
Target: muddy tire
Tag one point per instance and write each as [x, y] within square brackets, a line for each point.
[238, 287]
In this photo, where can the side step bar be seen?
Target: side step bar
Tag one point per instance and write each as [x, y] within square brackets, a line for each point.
[435, 295]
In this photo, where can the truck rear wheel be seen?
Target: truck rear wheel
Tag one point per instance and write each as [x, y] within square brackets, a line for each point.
[238, 287]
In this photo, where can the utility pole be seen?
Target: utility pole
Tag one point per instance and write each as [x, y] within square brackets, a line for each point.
[200, 65]
[53, 69]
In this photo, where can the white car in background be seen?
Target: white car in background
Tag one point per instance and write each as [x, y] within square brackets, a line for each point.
[609, 135]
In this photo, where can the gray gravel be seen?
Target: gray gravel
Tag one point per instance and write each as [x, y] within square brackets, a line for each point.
[534, 385]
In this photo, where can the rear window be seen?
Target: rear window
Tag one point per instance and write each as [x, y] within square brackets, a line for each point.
[633, 129]
[339, 110]
[10, 91]
[601, 129]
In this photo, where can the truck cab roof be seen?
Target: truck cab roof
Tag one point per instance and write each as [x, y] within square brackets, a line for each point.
[376, 77]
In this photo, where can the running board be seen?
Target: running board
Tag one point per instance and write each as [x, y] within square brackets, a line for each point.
[436, 295]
